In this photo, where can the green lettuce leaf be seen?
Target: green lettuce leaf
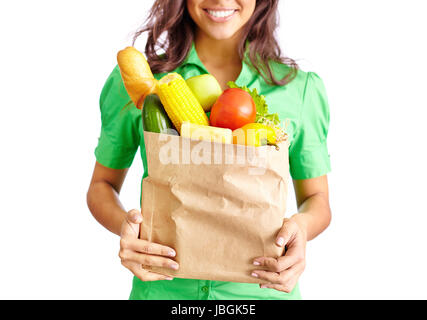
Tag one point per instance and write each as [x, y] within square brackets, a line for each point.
[260, 103]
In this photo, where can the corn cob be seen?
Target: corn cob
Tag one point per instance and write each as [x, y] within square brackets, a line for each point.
[207, 133]
[179, 102]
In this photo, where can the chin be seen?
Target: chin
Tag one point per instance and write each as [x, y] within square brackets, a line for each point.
[224, 34]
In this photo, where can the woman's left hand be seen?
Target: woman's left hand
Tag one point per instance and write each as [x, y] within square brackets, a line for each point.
[283, 273]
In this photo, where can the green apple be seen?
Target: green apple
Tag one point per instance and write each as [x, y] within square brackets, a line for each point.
[206, 89]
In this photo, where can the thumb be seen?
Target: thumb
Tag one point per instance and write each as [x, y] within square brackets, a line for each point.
[132, 223]
[286, 233]
[134, 216]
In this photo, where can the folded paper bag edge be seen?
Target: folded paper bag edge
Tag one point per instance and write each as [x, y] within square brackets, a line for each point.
[241, 278]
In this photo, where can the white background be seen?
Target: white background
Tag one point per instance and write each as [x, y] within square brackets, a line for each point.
[54, 59]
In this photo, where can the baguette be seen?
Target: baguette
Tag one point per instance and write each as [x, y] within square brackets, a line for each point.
[136, 74]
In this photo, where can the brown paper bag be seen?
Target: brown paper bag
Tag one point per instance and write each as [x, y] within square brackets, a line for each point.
[219, 206]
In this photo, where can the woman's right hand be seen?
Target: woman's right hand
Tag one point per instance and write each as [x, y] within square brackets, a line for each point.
[136, 253]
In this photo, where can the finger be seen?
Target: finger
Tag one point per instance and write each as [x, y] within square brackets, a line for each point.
[149, 260]
[131, 227]
[134, 216]
[287, 279]
[277, 265]
[272, 277]
[288, 288]
[147, 247]
[296, 250]
[286, 233]
[144, 275]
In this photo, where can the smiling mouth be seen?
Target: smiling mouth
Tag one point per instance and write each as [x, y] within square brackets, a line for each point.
[220, 13]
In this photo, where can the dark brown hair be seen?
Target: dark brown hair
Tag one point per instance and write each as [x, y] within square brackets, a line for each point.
[171, 30]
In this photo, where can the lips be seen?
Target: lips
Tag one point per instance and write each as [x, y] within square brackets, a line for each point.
[220, 15]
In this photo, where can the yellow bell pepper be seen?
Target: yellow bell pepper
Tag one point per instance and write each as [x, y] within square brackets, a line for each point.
[254, 134]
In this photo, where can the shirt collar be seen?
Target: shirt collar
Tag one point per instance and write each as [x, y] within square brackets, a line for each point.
[193, 58]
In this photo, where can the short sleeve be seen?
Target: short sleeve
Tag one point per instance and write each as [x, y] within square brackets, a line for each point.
[121, 125]
[308, 153]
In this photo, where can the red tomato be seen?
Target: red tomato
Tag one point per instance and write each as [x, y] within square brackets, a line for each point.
[233, 109]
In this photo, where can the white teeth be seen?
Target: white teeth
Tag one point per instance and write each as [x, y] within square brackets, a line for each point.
[221, 14]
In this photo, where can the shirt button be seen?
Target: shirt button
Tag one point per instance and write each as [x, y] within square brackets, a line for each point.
[205, 289]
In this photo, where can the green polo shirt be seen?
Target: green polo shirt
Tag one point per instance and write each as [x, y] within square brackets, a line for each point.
[302, 107]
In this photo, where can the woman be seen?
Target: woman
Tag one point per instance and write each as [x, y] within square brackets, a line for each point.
[232, 40]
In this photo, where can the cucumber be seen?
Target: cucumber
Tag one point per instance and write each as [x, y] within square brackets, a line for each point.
[154, 116]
